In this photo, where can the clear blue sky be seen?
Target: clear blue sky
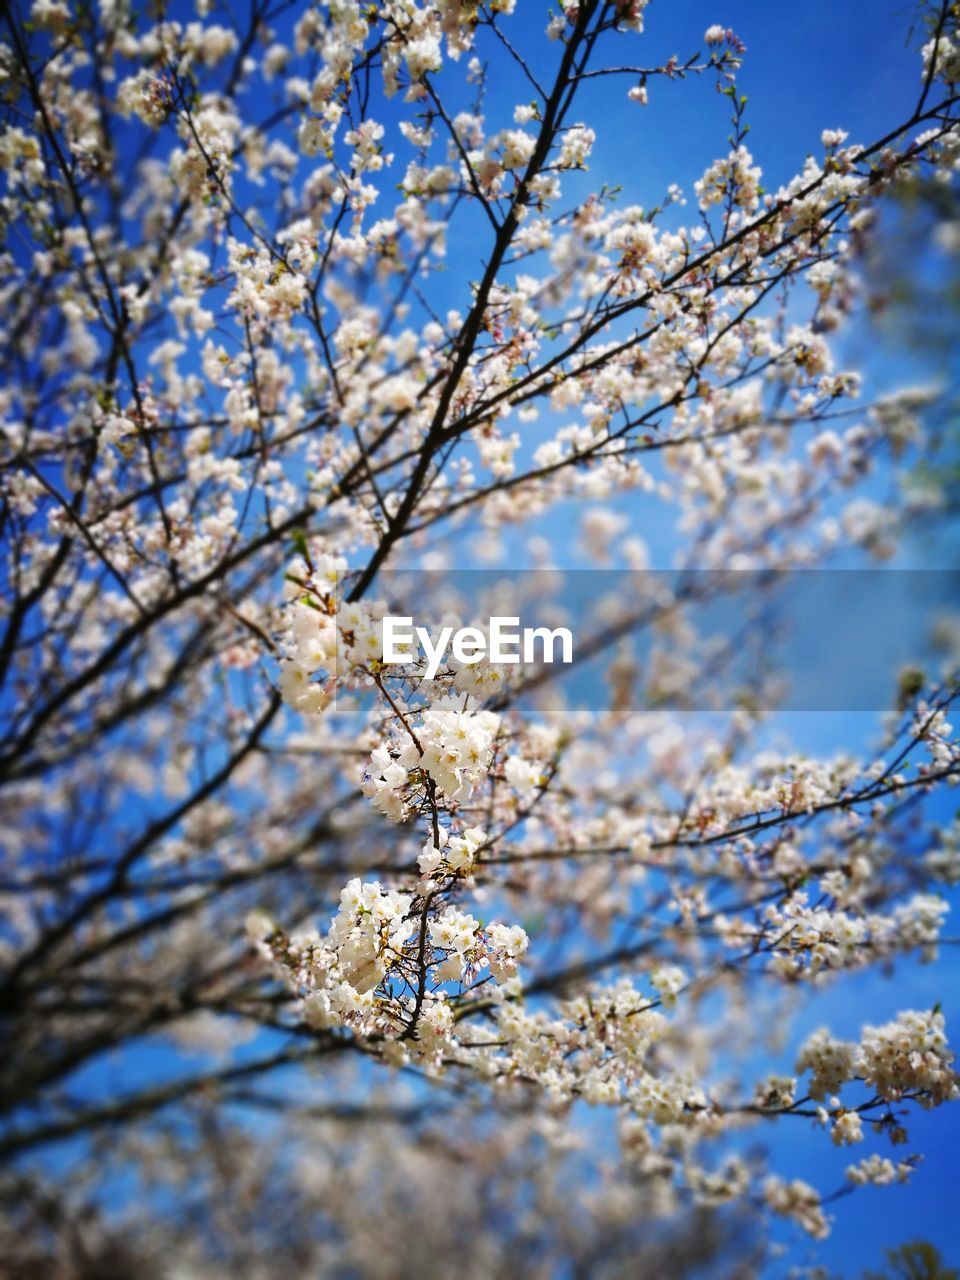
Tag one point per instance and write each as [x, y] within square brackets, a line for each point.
[810, 65]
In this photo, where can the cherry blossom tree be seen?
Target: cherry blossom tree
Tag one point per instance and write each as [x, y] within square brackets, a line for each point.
[296, 299]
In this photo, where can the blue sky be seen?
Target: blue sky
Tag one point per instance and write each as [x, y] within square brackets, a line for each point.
[809, 65]
[814, 65]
